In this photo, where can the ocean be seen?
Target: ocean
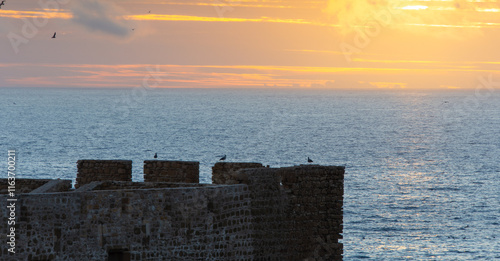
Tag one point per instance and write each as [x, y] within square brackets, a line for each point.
[422, 167]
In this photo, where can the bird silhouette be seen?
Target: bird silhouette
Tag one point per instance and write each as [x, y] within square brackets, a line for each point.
[54, 36]
[223, 158]
[309, 160]
[155, 156]
[2, 3]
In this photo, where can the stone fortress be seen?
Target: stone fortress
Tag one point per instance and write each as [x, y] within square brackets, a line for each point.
[249, 212]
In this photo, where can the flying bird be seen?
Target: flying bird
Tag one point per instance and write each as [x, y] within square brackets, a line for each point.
[223, 158]
[309, 160]
[155, 156]
[54, 36]
[2, 3]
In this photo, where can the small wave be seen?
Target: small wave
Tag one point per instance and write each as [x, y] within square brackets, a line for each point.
[387, 229]
[359, 257]
[462, 251]
[444, 189]
[410, 207]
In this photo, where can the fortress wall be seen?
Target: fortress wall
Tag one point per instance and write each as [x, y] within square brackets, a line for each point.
[315, 195]
[100, 170]
[292, 213]
[56, 185]
[268, 204]
[204, 223]
[119, 185]
[297, 211]
[222, 171]
[171, 171]
[28, 185]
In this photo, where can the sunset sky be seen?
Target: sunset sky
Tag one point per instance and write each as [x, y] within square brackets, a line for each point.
[431, 44]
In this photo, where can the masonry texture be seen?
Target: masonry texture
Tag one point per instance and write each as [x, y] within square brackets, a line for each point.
[99, 170]
[299, 211]
[28, 185]
[223, 172]
[171, 171]
[292, 213]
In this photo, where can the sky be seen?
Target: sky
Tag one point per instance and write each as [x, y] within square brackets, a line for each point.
[344, 44]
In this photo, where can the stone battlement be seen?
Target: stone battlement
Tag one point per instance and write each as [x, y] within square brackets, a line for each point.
[100, 170]
[250, 212]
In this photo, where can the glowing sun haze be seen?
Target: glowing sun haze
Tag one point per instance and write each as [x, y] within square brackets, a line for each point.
[348, 44]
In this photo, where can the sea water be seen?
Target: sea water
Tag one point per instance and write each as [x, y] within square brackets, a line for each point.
[422, 175]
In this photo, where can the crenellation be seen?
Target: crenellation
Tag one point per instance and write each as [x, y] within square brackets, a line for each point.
[101, 170]
[251, 212]
[171, 171]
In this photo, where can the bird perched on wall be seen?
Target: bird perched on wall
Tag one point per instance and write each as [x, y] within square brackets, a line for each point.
[309, 160]
[155, 156]
[223, 158]
[54, 36]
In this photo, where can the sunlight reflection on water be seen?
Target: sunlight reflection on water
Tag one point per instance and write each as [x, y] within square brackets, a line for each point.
[416, 187]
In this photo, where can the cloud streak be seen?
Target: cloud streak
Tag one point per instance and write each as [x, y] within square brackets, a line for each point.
[217, 76]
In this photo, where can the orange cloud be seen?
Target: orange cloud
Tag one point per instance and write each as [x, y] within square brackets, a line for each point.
[49, 13]
[239, 4]
[165, 17]
[158, 17]
[215, 76]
